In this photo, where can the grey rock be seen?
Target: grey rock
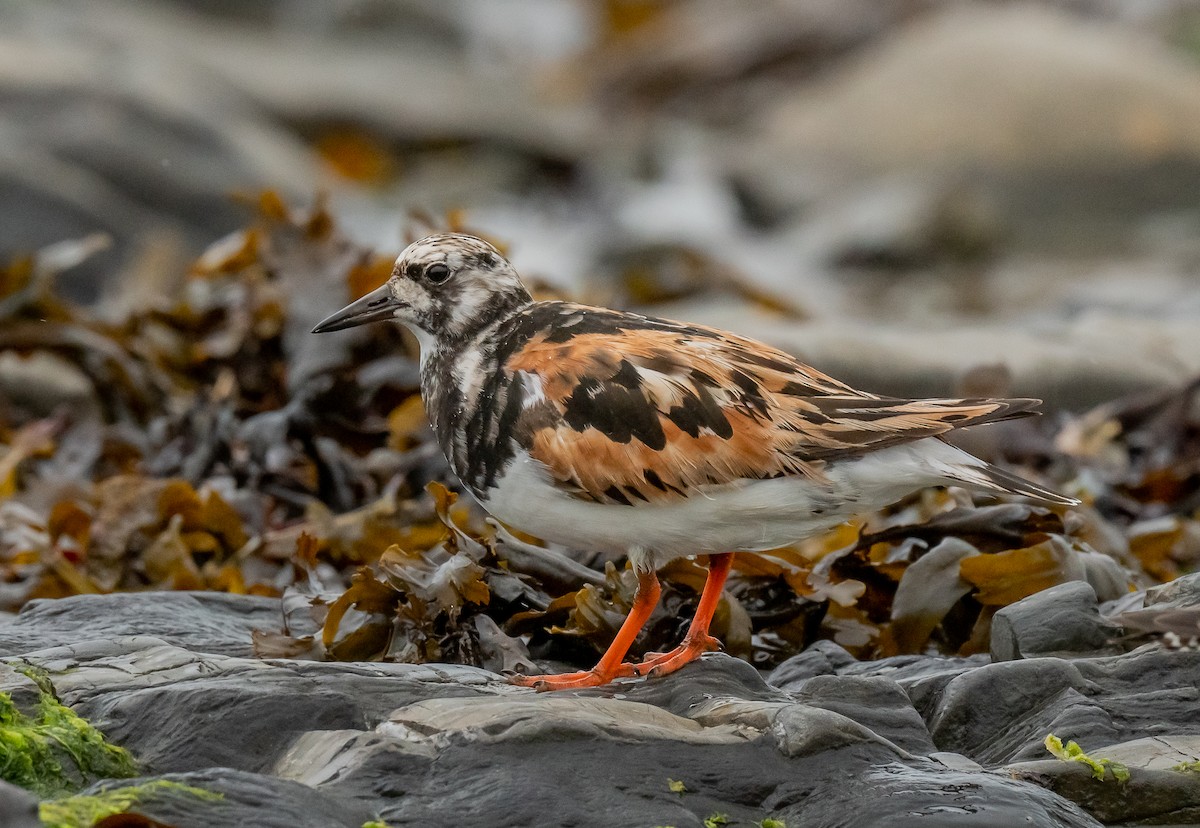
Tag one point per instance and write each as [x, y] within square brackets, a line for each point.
[571, 779]
[209, 622]
[524, 718]
[803, 731]
[1015, 691]
[1127, 602]
[955, 761]
[245, 799]
[23, 691]
[1149, 692]
[876, 702]
[1000, 713]
[921, 678]
[713, 676]
[572, 759]
[18, 807]
[183, 711]
[1155, 753]
[1063, 618]
[1167, 613]
[901, 667]
[746, 779]
[308, 743]
[821, 658]
[898, 796]
[925, 688]
[1181, 593]
[1154, 794]
[908, 668]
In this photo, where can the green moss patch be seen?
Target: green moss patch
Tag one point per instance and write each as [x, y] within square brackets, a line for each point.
[53, 751]
[85, 811]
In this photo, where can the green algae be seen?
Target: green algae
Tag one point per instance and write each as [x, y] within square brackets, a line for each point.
[84, 811]
[33, 748]
[1071, 752]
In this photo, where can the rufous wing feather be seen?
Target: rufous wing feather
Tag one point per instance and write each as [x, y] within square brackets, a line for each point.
[654, 413]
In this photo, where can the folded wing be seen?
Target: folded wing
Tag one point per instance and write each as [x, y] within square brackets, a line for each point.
[651, 413]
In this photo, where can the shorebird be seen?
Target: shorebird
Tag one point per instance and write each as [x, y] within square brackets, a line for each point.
[600, 429]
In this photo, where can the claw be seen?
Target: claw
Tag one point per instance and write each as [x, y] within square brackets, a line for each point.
[660, 664]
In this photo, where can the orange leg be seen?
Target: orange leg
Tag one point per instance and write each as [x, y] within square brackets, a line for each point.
[697, 640]
[611, 664]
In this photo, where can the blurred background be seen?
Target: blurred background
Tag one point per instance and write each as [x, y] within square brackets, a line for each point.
[916, 195]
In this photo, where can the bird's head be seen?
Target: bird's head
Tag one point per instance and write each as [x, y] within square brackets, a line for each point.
[445, 287]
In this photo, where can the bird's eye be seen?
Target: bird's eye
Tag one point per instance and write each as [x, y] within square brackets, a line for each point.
[437, 273]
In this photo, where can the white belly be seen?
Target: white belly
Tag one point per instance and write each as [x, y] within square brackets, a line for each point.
[749, 516]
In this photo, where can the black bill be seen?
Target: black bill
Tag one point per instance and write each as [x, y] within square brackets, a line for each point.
[376, 305]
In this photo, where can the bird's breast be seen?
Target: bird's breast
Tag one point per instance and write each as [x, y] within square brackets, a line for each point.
[467, 394]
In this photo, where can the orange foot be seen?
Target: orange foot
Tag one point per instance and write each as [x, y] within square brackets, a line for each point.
[660, 664]
[573, 681]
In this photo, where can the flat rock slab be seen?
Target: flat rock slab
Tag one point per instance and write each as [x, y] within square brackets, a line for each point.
[206, 622]
[182, 711]
[830, 741]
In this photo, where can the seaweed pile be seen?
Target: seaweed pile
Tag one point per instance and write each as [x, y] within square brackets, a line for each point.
[186, 433]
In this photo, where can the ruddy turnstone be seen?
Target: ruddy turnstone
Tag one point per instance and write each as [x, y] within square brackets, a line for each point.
[600, 429]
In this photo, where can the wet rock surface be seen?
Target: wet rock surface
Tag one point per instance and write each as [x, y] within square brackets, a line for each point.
[1064, 618]
[824, 740]
[1159, 791]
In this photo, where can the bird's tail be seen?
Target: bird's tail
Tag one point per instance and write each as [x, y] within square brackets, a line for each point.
[988, 478]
